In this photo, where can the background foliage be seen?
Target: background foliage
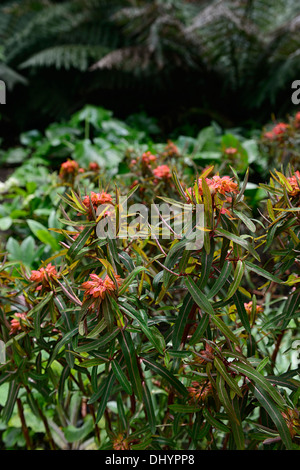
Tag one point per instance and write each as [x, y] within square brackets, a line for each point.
[184, 62]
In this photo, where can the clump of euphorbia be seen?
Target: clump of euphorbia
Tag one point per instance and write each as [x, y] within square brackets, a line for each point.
[99, 287]
[171, 150]
[216, 185]
[44, 275]
[231, 151]
[16, 323]
[248, 307]
[70, 167]
[277, 132]
[96, 199]
[148, 158]
[93, 166]
[162, 172]
[294, 182]
[199, 392]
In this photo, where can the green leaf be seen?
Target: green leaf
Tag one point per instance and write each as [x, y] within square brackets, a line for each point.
[121, 377]
[222, 278]
[98, 344]
[181, 408]
[238, 275]
[239, 241]
[248, 222]
[149, 332]
[214, 422]
[165, 374]
[274, 414]
[198, 296]
[106, 391]
[262, 272]
[224, 329]
[79, 242]
[198, 334]
[75, 434]
[10, 400]
[43, 234]
[147, 399]
[127, 282]
[181, 321]
[227, 377]
[259, 379]
[129, 353]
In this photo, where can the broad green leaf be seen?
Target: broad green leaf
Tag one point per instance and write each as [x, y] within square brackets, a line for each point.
[75, 434]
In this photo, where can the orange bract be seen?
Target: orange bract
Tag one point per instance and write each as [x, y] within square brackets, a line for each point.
[68, 167]
[97, 199]
[162, 171]
[15, 323]
[43, 274]
[97, 287]
[294, 183]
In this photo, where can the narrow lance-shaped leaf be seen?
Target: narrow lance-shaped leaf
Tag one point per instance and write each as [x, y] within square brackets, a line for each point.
[274, 413]
[129, 353]
[164, 373]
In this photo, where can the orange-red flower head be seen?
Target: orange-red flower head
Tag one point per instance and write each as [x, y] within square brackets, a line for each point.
[97, 199]
[293, 180]
[163, 172]
[68, 167]
[43, 275]
[98, 287]
[16, 323]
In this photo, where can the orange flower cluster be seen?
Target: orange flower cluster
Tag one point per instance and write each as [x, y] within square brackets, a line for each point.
[120, 443]
[16, 324]
[248, 308]
[98, 287]
[68, 167]
[43, 275]
[277, 131]
[217, 184]
[170, 150]
[148, 158]
[294, 183]
[162, 172]
[291, 418]
[97, 200]
[231, 151]
[199, 391]
[93, 166]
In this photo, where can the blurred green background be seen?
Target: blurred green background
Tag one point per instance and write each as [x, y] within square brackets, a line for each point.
[184, 63]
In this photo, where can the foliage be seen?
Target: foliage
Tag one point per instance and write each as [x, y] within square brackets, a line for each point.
[149, 342]
[243, 54]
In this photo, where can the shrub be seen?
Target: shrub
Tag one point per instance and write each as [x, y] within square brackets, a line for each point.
[153, 341]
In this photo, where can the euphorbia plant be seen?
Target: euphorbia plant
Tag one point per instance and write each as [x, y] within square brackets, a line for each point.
[163, 339]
